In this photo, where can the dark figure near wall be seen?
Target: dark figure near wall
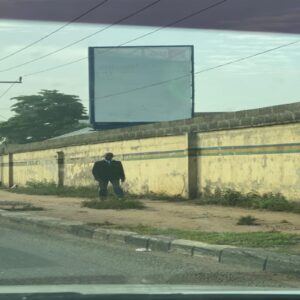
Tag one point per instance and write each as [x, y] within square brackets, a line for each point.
[109, 170]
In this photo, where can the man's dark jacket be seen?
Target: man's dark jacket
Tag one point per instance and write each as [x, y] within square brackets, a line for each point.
[103, 170]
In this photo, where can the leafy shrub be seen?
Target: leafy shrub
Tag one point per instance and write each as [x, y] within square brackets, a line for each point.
[27, 207]
[275, 202]
[247, 220]
[253, 200]
[114, 204]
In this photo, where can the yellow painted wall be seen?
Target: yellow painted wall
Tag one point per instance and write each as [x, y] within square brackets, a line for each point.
[271, 169]
[151, 165]
[261, 159]
[35, 166]
[4, 170]
[145, 171]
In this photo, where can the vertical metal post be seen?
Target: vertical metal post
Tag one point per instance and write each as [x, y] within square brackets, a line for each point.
[192, 165]
[61, 167]
[1, 169]
[10, 169]
[193, 82]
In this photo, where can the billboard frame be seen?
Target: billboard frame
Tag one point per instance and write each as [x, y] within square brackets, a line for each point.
[114, 125]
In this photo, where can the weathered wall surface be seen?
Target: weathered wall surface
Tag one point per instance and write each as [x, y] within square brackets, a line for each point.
[255, 150]
[5, 170]
[263, 159]
[142, 159]
[35, 166]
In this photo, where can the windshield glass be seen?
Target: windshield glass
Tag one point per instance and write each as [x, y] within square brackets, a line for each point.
[135, 154]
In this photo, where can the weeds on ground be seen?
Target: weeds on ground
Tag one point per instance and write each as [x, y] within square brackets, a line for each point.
[247, 220]
[114, 204]
[11, 203]
[18, 206]
[103, 224]
[242, 239]
[227, 197]
[157, 196]
[230, 197]
[27, 207]
[284, 222]
[51, 188]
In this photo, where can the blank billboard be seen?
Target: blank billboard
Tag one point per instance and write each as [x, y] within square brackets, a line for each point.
[140, 84]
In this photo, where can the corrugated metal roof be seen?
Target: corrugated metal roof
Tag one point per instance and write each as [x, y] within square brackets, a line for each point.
[74, 133]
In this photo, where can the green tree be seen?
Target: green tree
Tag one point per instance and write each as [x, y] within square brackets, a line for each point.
[42, 116]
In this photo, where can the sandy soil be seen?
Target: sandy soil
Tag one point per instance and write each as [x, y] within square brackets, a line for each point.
[162, 214]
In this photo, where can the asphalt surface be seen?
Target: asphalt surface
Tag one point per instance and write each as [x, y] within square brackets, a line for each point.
[28, 257]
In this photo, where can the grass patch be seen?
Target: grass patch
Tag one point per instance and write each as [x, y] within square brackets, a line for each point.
[114, 204]
[50, 188]
[248, 239]
[247, 220]
[18, 206]
[11, 203]
[158, 197]
[90, 192]
[284, 222]
[27, 207]
[106, 223]
[268, 201]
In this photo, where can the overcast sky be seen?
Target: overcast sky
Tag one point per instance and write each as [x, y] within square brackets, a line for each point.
[269, 79]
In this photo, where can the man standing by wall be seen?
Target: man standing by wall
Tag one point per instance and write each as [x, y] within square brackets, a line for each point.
[109, 170]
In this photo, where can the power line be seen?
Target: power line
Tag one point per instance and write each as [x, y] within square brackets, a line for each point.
[168, 25]
[56, 67]
[183, 76]
[2, 117]
[82, 39]
[55, 31]
[7, 90]
[174, 22]
[247, 57]
[200, 71]
[135, 39]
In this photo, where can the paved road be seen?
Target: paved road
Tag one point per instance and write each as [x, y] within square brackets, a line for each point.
[36, 258]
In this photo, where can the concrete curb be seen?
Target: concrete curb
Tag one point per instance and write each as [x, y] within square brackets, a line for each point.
[254, 258]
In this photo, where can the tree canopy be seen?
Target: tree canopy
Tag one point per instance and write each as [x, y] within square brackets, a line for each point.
[42, 116]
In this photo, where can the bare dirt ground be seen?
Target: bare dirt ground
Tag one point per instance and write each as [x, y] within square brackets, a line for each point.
[162, 214]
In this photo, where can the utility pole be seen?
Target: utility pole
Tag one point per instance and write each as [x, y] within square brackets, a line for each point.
[19, 81]
[11, 86]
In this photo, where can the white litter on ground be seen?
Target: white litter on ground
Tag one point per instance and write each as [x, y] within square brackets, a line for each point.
[143, 250]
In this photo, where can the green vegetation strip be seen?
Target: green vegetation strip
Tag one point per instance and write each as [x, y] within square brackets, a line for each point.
[28, 207]
[248, 239]
[90, 192]
[20, 207]
[113, 204]
[46, 188]
[226, 197]
[253, 200]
